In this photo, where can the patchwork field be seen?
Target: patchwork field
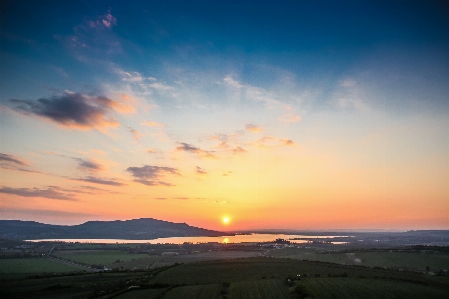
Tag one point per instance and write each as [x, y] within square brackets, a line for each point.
[324, 288]
[261, 289]
[257, 277]
[388, 259]
[103, 257]
[23, 267]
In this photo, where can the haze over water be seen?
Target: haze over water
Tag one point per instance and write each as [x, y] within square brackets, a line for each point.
[195, 240]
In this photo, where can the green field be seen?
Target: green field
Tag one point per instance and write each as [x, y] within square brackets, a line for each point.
[387, 259]
[141, 294]
[260, 277]
[324, 288]
[22, 267]
[207, 291]
[261, 289]
[435, 261]
[102, 257]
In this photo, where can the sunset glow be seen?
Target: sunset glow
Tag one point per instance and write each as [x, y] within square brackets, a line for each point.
[281, 114]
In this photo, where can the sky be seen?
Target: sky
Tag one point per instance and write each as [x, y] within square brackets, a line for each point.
[275, 114]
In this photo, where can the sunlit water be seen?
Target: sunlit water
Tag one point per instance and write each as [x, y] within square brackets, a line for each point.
[195, 240]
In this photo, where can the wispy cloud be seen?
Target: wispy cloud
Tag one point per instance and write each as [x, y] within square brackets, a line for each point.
[200, 170]
[150, 175]
[231, 82]
[290, 118]
[269, 142]
[94, 36]
[136, 134]
[11, 162]
[12, 159]
[88, 165]
[51, 192]
[73, 110]
[185, 147]
[239, 150]
[152, 124]
[152, 151]
[94, 180]
[253, 128]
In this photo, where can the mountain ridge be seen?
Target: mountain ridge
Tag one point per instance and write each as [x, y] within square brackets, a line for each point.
[133, 229]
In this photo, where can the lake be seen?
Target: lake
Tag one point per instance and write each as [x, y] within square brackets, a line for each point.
[180, 240]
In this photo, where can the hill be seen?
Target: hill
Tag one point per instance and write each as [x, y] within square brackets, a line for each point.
[137, 229]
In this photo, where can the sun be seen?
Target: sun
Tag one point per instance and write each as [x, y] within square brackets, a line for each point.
[226, 220]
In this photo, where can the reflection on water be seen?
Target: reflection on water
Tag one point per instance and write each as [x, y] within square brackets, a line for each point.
[223, 239]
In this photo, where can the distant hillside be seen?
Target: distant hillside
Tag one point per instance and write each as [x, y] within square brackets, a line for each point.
[137, 229]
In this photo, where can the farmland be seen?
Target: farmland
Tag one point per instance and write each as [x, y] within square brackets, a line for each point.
[405, 259]
[257, 277]
[323, 288]
[263, 289]
[23, 267]
[99, 257]
[213, 270]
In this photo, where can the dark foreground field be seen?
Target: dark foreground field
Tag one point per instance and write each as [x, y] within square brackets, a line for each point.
[256, 277]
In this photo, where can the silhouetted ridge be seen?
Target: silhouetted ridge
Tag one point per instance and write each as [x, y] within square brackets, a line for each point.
[137, 229]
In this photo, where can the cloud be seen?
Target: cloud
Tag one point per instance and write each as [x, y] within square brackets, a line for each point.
[94, 180]
[135, 133]
[159, 86]
[199, 152]
[181, 198]
[93, 37]
[149, 175]
[11, 162]
[45, 213]
[269, 142]
[51, 192]
[152, 151]
[130, 76]
[73, 110]
[88, 165]
[12, 159]
[290, 118]
[92, 190]
[239, 150]
[231, 82]
[200, 170]
[152, 124]
[253, 128]
[161, 198]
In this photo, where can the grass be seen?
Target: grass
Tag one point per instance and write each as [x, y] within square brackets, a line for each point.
[346, 288]
[261, 289]
[141, 294]
[435, 261]
[259, 277]
[394, 259]
[22, 267]
[208, 291]
[102, 257]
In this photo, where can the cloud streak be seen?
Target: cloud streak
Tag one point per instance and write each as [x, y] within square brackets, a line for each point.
[50, 192]
[88, 165]
[94, 180]
[185, 147]
[253, 128]
[12, 159]
[150, 175]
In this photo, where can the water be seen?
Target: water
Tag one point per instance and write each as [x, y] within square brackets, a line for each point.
[180, 240]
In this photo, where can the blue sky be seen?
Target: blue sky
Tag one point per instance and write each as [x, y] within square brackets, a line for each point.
[237, 108]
